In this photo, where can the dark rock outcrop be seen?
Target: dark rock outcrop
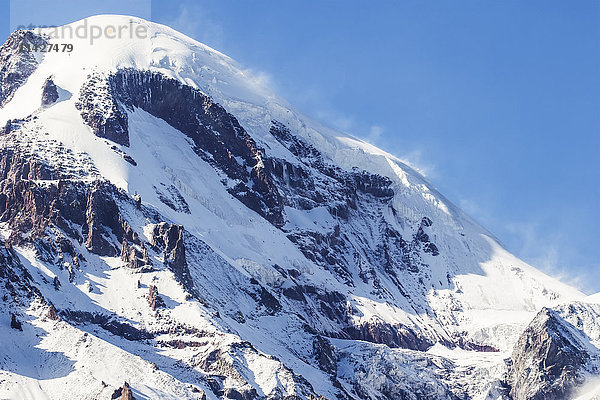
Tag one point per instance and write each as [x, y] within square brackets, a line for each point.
[349, 196]
[123, 393]
[325, 355]
[335, 307]
[15, 323]
[102, 112]
[154, 300]
[231, 393]
[168, 238]
[109, 323]
[217, 135]
[332, 187]
[265, 299]
[422, 238]
[52, 314]
[77, 208]
[49, 92]
[472, 346]
[14, 166]
[134, 258]
[17, 64]
[102, 212]
[548, 360]
[377, 331]
[14, 276]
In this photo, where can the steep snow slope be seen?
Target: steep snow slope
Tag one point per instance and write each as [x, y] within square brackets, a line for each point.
[293, 234]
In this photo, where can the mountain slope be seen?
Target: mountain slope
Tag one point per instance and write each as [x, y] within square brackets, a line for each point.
[170, 222]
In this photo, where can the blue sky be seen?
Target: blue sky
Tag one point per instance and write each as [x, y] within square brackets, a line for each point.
[498, 102]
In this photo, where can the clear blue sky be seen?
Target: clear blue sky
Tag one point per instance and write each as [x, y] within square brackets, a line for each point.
[497, 101]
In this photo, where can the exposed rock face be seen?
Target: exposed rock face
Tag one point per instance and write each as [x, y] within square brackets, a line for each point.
[101, 212]
[30, 207]
[15, 276]
[109, 323]
[123, 393]
[52, 314]
[169, 238]
[14, 167]
[332, 187]
[15, 323]
[49, 92]
[100, 110]
[126, 393]
[423, 238]
[548, 360]
[394, 336]
[17, 65]
[314, 182]
[135, 259]
[217, 135]
[154, 300]
[325, 355]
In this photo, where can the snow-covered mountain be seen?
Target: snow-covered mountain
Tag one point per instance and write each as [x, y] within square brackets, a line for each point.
[170, 222]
